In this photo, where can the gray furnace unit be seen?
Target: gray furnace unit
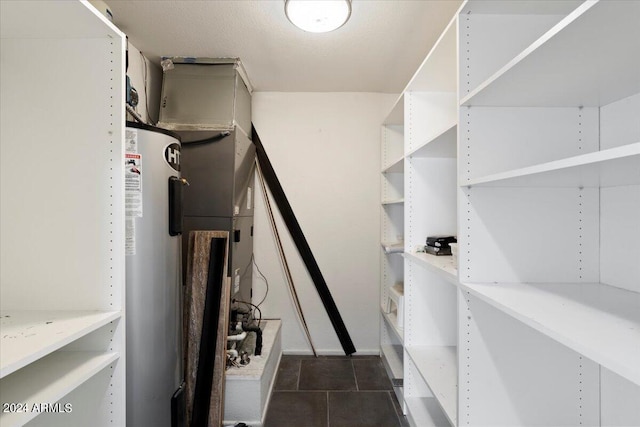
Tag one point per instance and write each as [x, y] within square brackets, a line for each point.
[208, 103]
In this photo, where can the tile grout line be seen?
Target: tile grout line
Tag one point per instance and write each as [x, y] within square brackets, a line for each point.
[394, 408]
[328, 421]
[355, 377]
[299, 374]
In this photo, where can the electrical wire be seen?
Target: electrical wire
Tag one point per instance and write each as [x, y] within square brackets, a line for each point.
[215, 138]
[256, 306]
[246, 267]
[266, 282]
[252, 261]
[283, 259]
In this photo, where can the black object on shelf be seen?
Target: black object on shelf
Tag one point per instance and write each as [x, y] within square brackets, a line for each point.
[433, 250]
[440, 241]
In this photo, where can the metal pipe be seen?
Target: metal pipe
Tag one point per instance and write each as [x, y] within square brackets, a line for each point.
[238, 337]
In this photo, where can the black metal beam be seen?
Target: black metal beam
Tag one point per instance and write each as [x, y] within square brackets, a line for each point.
[303, 246]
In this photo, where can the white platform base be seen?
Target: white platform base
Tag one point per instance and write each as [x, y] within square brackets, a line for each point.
[248, 388]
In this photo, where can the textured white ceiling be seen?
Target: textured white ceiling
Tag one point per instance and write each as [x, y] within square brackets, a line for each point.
[377, 50]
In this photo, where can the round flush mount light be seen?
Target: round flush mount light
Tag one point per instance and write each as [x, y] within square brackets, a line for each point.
[318, 16]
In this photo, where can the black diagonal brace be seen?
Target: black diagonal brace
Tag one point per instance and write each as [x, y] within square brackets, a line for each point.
[303, 247]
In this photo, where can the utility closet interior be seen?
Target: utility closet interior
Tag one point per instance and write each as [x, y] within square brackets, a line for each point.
[320, 213]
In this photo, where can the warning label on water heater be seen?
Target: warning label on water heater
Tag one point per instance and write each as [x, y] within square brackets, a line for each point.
[132, 189]
[133, 184]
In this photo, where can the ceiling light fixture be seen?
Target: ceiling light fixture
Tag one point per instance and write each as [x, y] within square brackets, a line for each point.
[318, 16]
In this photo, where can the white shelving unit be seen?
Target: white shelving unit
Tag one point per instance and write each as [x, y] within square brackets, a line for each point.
[561, 311]
[444, 266]
[532, 158]
[29, 335]
[396, 166]
[393, 202]
[424, 411]
[601, 69]
[549, 201]
[441, 145]
[430, 209]
[62, 215]
[393, 357]
[438, 367]
[392, 320]
[392, 244]
[426, 112]
[49, 380]
[607, 168]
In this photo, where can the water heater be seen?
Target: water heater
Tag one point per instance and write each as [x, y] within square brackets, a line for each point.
[153, 189]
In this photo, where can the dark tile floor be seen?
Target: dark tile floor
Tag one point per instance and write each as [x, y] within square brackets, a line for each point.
[333, 392]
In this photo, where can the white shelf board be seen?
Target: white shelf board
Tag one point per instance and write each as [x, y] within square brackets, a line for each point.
[26, 336]
[396, 115]
[392, 321]
[442, 145]
[437, 73]
[399, 391]
[444, 265]
[393, 202]
[393, 247]
[590, 59]
[425, 412]
[598, 321]
[439, 369]
[42, 19]
[49, 380]
[396, 166]
[607, 168]
[520, 7]
[392, 354]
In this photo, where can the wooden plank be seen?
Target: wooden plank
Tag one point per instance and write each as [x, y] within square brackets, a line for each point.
[195, 293]
[216, 411]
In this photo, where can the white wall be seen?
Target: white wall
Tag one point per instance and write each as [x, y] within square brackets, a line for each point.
[325, 150]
